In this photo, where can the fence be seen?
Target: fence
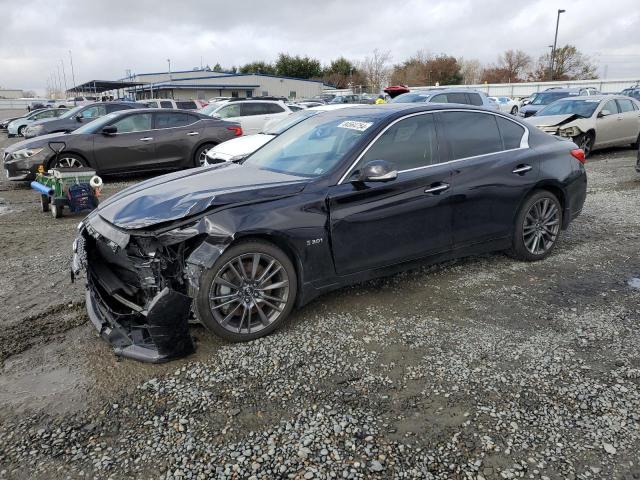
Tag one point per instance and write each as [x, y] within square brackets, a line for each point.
[18, 103]
[527, 88]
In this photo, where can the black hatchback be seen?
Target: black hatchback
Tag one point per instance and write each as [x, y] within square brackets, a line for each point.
[344, 196]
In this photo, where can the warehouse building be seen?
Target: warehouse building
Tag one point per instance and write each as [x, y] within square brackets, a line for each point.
[205, 84]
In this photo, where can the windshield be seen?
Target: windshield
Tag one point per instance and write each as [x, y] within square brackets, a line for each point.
[97, 124]
[288, 122]
[411, 98]
[547, 98]
[582, 108]
[313, 147]
[72, 112]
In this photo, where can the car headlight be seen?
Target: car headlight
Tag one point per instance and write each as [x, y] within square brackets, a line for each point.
[569, 132]
[26, 152]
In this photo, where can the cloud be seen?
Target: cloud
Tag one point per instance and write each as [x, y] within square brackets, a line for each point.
[108, 38]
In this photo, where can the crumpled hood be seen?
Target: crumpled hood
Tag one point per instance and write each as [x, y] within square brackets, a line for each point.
[186, 193]
[549, 120]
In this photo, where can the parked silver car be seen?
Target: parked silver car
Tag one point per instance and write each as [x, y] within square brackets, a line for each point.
[17, 126]
[592, 122]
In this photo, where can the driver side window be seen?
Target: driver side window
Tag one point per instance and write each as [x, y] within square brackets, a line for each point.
[611, 107]
[409, 143]
[94, 112]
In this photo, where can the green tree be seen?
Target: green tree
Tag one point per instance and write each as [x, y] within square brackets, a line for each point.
[341, 72]
[298, 67]
[218, 68]
[258, 67]
[569, 64]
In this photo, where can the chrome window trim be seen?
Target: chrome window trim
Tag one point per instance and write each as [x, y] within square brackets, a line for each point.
[524, 141]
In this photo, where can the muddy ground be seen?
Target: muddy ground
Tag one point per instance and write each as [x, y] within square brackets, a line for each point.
[479, 368]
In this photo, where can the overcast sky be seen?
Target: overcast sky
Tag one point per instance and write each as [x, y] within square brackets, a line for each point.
[107, 38]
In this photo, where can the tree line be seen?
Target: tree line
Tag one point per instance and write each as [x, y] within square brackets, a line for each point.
[376, 71]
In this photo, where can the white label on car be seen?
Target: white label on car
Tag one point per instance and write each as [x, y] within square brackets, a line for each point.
[353, 125]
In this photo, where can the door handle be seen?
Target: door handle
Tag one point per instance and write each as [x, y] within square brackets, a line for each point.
[437, 188]
[146, 139]
[191, 134]
[521, 169]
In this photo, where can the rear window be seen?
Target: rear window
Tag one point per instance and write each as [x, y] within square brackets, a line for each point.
[253, 108]
[625, 105]
[471, 134]
[274, 108]
[189, 105]
[511, 133]
[174, 119]
[166, 104]
[476, 99]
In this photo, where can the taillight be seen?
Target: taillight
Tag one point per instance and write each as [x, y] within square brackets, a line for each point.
[578, 154]
[237, 131]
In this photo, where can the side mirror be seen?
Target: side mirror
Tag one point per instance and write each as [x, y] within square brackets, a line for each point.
[604, 113]
[78, 118]
[110, 130]
[377, 171]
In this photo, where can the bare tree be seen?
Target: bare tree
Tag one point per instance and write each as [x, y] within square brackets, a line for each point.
[569, 64]
[515, 63]
[376, 69]
[471, 70]
[28, 94]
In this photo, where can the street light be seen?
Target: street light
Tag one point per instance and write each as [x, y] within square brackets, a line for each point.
[555, 41]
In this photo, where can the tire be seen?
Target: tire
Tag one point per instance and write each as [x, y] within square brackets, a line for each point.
[67, 160]
[45, 203]
[585, 142]
[199, 157]
[21, 130]
[56, 211]
[514, 110]
[636, 145]
[224, 301]
[545, 205]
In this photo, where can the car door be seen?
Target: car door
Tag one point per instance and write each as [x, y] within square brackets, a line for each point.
[132, 147]
[254, 116]
[176, 135]
[491, 171]
[630, 124]
[608, 120]
[383, 223]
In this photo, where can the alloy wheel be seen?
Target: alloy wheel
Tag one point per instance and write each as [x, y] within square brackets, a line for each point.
[586, 143]
[67, 162]
[541, 226]
[249, 293]
[202, 158]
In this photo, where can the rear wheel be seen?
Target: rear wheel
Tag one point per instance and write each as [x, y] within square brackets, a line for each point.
[636, 144]
[537, 227]
[21, 130]
[201, 154]
[514, 110]
[248, 292]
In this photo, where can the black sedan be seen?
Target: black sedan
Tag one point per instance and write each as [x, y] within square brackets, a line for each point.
[123, 141]
[75, 117]
[344, 196]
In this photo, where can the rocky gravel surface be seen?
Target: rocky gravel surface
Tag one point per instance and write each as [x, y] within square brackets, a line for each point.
[479, 368]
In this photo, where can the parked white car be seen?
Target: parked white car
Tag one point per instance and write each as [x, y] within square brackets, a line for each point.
[251, 114]
[238, 148]
[507, 105]
[592, 122]
[18, 126]
[176, 104]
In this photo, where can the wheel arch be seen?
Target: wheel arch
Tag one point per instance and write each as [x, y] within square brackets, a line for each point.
[207, 141]
[557, 190]
[72, 152]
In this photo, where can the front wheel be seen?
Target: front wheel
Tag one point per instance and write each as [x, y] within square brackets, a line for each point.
[21, 130]
[514, 110]
[248, 293]
[585, 142]
[537, 227]
[67, 160]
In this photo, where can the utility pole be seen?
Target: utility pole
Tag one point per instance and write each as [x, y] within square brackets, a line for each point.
[73, 75]
[169, 62]
[555, 42]
[64, 75]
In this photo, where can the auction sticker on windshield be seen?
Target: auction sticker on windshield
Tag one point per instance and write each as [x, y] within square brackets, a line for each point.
[353, 125]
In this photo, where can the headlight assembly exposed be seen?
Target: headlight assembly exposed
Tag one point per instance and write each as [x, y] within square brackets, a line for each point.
[26, 152]
[570, 132]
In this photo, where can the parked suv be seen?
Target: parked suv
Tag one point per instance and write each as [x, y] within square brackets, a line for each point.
[179, 104]
[251, 114]
[550, 95]
[465, 96]
[75, 117]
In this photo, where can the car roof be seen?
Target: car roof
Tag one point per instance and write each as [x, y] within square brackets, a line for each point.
[385, 110]
[592, 98]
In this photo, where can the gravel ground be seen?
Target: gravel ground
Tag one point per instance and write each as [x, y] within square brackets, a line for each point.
[480, 368]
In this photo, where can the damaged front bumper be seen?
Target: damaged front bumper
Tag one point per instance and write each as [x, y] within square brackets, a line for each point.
[136, 297]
